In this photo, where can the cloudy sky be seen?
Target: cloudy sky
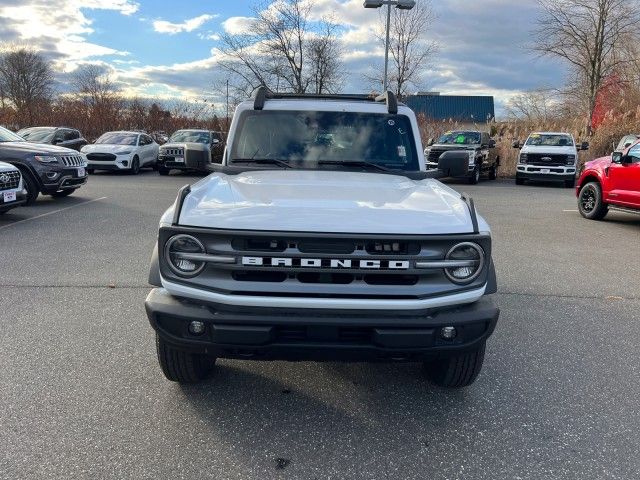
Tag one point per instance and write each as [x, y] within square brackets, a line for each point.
[169, 48]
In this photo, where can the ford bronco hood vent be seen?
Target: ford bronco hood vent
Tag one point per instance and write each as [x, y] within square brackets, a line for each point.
[326, 202]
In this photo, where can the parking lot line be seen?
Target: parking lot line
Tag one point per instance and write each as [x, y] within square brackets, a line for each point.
[52, 212]
[572, 211]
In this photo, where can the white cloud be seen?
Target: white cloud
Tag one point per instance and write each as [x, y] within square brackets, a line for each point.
[238, 25]
[163, 26]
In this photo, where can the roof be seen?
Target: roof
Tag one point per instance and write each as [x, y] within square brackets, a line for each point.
[453, 107]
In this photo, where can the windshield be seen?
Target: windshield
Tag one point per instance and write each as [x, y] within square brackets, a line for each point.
[312, 137]
[118, 138]
[38, 135]
[190, 136]
[460, 138]
[550, 140]
[8, 136]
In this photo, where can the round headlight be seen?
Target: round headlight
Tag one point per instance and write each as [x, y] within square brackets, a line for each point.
[471, 257]
[179, 251]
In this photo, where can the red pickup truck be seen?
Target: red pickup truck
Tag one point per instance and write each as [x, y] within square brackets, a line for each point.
[611, 182]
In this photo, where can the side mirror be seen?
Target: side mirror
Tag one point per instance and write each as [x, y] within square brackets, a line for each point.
[492, 143]
[584, 146]
[430, 142]
[516, 144]
[454, 163]
[57, 141]
[616, 157]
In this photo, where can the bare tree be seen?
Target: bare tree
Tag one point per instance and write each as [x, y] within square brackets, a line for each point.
[285, 50]
[409, 49]
[538, 105]
[591, 36]
[26, 80]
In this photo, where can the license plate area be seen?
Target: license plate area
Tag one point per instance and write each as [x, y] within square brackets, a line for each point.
[179, 159]
[9, 197]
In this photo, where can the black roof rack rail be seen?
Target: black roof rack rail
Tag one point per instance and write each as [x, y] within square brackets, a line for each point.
[182, 195]
[262, 94]
[472, 210]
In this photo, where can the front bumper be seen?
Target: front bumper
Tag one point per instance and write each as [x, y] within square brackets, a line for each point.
[122, 162]
[542, 172]
[305, 334]
[21, 198]
[192, 160]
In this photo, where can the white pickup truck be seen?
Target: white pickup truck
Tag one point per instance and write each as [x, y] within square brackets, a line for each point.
[323, 237]
[548, 156]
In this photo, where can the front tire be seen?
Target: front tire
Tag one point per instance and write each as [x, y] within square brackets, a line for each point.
[569, 183]
[458, 371]
[493, 173]
[475, 177]
[135, 166]
[90, 171]
[519, 181]
[590, 204]
[32, 188]
[163, 170]
[180, 366]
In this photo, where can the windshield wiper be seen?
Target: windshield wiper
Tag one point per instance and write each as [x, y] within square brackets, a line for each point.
[360, 163]
[270, 161]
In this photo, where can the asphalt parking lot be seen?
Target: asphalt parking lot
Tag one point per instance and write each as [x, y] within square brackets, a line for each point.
[82, 396]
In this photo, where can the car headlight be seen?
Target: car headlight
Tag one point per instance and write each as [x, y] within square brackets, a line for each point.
[571, 159]
[128, 152]
[470, 258]
[181, 252]
[472, 158]
[46, 158]
[523, 158]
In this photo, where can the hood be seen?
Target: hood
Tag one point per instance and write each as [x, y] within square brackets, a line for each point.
[601, 162]
[326, 202]
[7, 167]
[107, 148]
[35, 148]
[186, 145]
[569, 150]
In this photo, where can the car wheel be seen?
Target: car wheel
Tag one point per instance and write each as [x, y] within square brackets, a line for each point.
[457, 371]
[63, 193]
[493, 173]
[475, 177]
[180, 366]
[90, 171]
[135, 166]
[569, 183]
[163, 170]
[590, 204]
[519, 181]
[32, 188]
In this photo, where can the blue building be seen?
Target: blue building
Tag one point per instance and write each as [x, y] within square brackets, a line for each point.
[457, 108]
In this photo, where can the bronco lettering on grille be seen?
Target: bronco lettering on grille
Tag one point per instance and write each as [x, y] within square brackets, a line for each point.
[334, 263]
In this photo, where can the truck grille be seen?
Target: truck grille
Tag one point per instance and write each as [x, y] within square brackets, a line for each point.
[101, 157]
[315, 265]
[172, 152]
[9, 180]
[72, 160]
[545, 159]
[434, 154]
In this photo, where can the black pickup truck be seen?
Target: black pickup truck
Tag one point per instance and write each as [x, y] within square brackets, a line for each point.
[483, 158]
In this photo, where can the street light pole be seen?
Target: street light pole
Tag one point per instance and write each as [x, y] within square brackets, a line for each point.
[385, 83]
[400, 4]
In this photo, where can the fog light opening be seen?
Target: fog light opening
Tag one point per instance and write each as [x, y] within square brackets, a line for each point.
[448, 333]
[196, 328]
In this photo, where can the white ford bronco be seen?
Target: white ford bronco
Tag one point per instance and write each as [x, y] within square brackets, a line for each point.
[321, 236]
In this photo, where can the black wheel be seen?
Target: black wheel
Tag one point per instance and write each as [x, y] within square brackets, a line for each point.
[569, 183]
[458, 371]
[90, 171]
[493, 173]
[63, 193]
[519, 181]
[2, 212]
[182, 367]
[32, 188]
[135, 166]
[163, 170]
[590, 204]
[475, 176]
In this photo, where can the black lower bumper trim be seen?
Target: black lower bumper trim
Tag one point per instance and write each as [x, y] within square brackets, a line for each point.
[303, 334]
[546, 177]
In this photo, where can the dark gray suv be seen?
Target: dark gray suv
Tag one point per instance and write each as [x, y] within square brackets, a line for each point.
[45, 169]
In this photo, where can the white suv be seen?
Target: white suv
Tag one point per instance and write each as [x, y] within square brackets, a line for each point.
[12, 192]
[549, 156]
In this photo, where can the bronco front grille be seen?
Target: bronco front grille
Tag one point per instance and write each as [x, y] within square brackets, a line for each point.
[9, 180]
[72, 160]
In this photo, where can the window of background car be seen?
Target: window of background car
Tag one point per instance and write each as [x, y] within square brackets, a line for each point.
[635, 153]
[296, 136]
[190, 136]
[118, 138]
[38, 135]
[549, 140]
[460, 138]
